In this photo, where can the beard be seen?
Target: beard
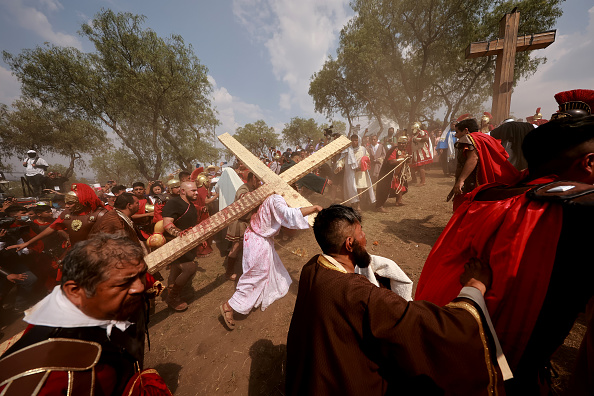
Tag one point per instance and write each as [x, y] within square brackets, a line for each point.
[360, 256]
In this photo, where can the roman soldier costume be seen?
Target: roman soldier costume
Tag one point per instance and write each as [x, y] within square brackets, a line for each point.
[576, 103]
[486, 126]
[537, 119]
[79, 221]
[422, 149]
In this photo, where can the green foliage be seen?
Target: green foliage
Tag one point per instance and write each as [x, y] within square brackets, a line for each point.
[33, 126]
[300, 131]
[257, 137]
[63, 169]
[405, 59]
[115, 164]
[152, 92]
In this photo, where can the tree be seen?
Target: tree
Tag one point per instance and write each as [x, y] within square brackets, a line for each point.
[404, 59]
[115, 164]
[257, 137]
[33, 126]
[153, 93]
[300, 131]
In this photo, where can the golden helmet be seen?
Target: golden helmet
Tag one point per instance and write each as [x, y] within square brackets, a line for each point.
[416, 126]
[403, 139]
[202, 180]
[276, 157]
[70, 197]
[149, 208]
[173, 183]
[538, 115]
[486, 117]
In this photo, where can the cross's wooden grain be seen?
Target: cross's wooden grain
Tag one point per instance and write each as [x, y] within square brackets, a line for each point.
[273, 184]
[505, 49]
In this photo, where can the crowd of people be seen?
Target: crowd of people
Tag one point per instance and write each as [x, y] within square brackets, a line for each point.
[497, 296]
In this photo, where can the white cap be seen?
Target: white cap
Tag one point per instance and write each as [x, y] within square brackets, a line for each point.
[110, 194]
[31, 151]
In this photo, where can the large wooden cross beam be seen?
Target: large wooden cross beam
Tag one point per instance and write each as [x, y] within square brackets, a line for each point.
[505, 48]
[273, 184]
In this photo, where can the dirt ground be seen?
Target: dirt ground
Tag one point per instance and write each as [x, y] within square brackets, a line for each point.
[196, 354]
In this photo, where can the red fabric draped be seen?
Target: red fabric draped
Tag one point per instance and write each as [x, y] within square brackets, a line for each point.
[86, 196]
[518, 238]
[493, 165]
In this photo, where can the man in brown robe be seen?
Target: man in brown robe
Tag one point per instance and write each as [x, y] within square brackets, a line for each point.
[350, 337]
[120, 219]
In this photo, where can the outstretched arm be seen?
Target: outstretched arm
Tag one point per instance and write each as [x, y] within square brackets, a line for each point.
[48, 231]
[310, 209]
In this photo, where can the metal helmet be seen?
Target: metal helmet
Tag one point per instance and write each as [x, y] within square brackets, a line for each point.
[173, 183]
[202, 180]
[537, 115]
[70, 197]
[148, 208]
[486, 117]
[416, 126]
[402, 139]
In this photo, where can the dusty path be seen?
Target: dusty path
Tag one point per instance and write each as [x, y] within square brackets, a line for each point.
[198, 356]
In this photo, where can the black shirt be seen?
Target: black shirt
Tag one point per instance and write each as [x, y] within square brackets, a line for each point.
[184, 214]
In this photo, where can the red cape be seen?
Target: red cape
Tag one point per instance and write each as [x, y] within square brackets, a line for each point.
[492, 167]
[518, 238]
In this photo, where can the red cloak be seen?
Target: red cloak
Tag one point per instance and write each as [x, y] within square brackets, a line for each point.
[518, 238]
[492, 166]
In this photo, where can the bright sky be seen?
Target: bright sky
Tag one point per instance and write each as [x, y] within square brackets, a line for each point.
[262, 53]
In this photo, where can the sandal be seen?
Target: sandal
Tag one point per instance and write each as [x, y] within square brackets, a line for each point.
[229, 322]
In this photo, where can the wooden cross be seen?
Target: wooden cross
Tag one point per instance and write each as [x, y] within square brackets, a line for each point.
[505, 48]
[273, 184]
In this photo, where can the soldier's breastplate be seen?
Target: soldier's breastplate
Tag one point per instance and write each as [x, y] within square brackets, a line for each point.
[79, 226]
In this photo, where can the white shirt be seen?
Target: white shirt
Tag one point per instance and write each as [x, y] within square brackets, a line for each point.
[56, 310]
[31, 170]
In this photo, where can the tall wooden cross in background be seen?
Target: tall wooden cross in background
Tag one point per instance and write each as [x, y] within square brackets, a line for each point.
[505, 47]
[273, 184]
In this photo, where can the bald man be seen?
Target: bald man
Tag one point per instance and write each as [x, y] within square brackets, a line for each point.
[179, 214]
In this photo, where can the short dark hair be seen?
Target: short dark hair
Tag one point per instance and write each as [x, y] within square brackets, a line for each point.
[13, 209]
[138, 184]
[117, 189]
[550, 148]
[89, 261]
[42, 208]
[186, 173]
[250, 176]
[295, 154]
[469, 123]
[123, 200]
[331, 226]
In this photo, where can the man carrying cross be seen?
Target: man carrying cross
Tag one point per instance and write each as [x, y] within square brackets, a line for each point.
[264, 278]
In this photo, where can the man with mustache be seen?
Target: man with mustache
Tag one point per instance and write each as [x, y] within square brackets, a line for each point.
[89, 330]
[350, 337]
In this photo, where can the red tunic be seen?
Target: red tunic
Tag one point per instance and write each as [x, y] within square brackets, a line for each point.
[518, 238]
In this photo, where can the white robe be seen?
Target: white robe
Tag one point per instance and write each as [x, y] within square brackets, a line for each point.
[354, 178]
[265, 278]
[227, 186]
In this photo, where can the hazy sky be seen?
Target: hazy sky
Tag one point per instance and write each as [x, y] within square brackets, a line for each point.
[262, 53]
